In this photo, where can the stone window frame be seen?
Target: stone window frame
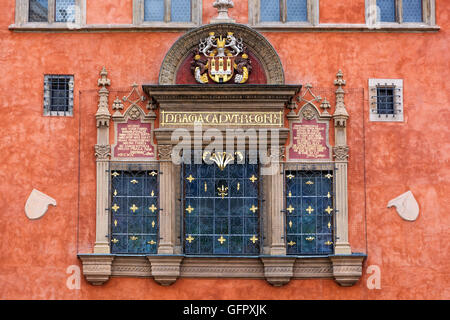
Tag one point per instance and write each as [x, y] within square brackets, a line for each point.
[254, 9]
[21, 16]
[47, 99]
[138, 16]
[397, 84]
[428, 15]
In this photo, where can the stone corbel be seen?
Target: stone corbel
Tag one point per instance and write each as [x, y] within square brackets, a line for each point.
[347, 270]
[97, 269]
[165, 269]
[278, 271]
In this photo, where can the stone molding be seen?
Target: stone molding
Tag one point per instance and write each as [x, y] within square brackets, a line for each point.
[254, 41]
[277, 270]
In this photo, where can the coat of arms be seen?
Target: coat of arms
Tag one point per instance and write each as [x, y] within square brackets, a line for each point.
[220, 59]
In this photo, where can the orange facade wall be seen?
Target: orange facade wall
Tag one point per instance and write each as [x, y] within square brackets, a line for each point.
[54, 155]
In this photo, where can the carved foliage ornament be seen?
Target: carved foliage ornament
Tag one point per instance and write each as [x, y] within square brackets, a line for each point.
[341, 153]
[220, 59]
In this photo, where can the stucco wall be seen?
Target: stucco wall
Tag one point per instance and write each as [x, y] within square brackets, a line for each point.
[43, 153]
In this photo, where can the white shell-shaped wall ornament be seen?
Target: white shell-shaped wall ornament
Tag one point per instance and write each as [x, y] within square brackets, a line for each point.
[406, 205]
[37, 204]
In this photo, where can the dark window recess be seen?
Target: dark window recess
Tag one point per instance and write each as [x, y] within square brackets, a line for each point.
[134, 211]
[38, 11]
[58, 95]
[221, 209]
[385, 100]
[309, 212]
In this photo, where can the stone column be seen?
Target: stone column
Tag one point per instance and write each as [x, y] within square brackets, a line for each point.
[275, 204]
[102, 154]
[340, 153]
[167, 198]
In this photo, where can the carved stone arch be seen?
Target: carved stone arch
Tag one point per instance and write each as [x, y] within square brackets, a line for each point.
[254, 41]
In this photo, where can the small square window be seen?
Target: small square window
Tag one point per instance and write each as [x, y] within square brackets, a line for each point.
[386, 99]
[58, 95]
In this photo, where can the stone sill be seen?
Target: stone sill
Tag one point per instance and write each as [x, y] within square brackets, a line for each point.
[180, 27]
[277, 270]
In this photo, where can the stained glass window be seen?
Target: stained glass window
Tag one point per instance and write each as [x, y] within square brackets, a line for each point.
[65, 10]
[412, 10]
[297, 10]
[309, 212]
[221, 209]
[154, 10]
[269, 10]
[38, 11]
[134, 211]
[386, 10]
[181, 10]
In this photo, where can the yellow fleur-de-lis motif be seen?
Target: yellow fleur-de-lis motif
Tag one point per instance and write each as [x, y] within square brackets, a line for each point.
[134, 181]
[221, 239]
[134, 238]
[114, 240]
[189, 209]
[190, 239]
[115, 174]
[153, 173]
[291, 243]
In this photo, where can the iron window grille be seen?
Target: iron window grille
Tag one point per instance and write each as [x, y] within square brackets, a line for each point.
[309, 208]
[221, 209]
[134, 208]
[58, 95]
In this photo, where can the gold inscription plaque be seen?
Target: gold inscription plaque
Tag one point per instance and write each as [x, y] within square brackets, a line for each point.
[222, 118]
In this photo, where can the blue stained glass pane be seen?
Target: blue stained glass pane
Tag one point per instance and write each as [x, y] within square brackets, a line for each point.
[222, 215]
[386, 10]
[309, 212]
[134, 211]
[38, 11]
[65, 10]
[412, 11]
[181, 11]
[297, 10]
[154, 10]
[269, 10]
